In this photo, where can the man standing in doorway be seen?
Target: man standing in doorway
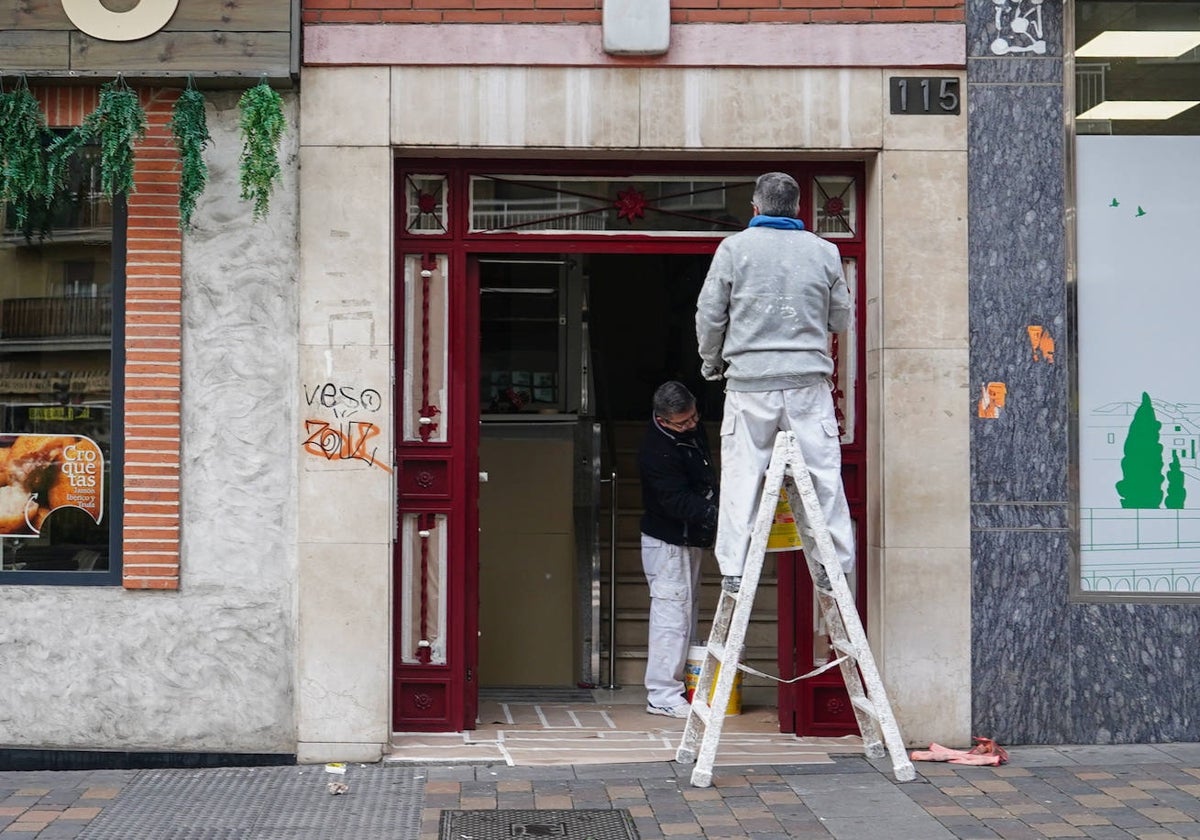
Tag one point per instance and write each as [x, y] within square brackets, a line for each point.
[773, 295]
[679, 499]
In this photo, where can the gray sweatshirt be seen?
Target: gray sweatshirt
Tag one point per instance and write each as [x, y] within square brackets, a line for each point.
[768, 305]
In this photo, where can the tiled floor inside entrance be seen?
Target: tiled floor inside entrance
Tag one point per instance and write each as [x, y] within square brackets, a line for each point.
[612, 728]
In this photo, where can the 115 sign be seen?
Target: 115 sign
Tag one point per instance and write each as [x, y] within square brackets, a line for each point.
[924, 94]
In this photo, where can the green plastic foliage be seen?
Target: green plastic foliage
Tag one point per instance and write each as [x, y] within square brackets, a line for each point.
[117, 123]
[1142, 467]
[262, 126]
[24, 183]
[189, 125]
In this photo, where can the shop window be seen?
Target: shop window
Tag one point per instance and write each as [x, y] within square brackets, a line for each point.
[1136, 153]
[59, 279]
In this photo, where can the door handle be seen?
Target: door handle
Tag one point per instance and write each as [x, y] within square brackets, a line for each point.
[483, 477]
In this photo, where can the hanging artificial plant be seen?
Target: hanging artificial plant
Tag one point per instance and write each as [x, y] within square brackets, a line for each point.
[189, 125]
[117, 123]
[24, 179]
[262, 126]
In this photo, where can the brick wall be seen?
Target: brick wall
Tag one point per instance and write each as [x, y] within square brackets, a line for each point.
[589, 11]
[152, 339]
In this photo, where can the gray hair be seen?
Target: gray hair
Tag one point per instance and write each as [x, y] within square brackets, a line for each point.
[672, 398]
[777, 194]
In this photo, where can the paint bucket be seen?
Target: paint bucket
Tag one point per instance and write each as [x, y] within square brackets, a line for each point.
[691, 677]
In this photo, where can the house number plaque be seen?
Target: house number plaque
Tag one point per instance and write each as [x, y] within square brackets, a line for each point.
[924, 94]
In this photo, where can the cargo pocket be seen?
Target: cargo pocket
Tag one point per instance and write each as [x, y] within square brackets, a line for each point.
[830, 427]
[728, 423]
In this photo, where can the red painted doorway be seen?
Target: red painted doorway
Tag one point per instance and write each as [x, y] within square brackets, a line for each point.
[524, 303]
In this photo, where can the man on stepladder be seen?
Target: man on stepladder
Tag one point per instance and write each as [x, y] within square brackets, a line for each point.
[773, 295]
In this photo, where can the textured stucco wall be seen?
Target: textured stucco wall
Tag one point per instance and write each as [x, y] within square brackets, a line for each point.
[210, 667]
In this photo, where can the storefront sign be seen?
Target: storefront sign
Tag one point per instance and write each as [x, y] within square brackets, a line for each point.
[142, 21]
[924, 95]
[41, 473]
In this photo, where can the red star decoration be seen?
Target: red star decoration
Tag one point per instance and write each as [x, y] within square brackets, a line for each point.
[834, 206]
[427, 202]
[630, 204]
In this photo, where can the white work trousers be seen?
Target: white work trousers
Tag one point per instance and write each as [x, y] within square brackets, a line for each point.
[752, 420]
[673, 572]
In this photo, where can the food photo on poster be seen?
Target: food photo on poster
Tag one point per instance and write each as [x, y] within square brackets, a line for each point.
[40, 474]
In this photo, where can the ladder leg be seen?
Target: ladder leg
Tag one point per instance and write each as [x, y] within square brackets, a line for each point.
[872, 740]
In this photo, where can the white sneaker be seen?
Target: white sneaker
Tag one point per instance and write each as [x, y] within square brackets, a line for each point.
[680, 711]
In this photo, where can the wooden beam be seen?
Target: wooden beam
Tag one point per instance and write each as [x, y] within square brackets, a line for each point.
[239, 53]
[21, 51]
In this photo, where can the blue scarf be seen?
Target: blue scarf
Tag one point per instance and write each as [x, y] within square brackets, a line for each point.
[780, 222]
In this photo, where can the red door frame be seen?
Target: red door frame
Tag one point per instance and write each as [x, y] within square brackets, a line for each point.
[441, 478]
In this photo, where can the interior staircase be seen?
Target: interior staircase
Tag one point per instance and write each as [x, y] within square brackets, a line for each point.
[633, 596]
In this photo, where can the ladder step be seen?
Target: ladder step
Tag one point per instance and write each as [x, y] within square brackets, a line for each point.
[716, 650]
[865, 705]
[701, 710]
[844, 646]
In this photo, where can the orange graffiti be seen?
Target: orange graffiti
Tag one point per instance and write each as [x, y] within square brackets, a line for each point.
[1043, 344]
[345, 442]
[992, 399]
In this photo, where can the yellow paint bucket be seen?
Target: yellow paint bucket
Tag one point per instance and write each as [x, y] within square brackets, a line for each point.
[691, 678]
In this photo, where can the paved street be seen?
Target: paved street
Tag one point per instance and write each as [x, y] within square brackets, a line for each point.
[1145, 792]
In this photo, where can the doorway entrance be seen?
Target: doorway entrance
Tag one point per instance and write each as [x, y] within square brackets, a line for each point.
[539, 315]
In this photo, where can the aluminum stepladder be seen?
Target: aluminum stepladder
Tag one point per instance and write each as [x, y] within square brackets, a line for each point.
[726, 642]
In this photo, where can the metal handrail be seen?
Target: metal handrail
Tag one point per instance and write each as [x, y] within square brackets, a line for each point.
[612, 582]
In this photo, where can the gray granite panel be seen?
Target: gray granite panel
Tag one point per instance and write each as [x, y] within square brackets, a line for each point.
[1016, 265]
[1007, 70]
[1014, 28]
[1020, 515]
[1134, 673]
[1020, 646]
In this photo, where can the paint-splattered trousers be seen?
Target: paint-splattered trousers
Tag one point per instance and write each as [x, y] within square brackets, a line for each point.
[752, 420]
[673, 572]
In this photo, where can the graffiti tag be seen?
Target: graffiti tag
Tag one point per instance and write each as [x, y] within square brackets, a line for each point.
[343, 400]
[348, 441]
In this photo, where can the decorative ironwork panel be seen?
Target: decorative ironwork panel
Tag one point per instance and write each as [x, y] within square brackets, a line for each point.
[844, 349]
[425, 205]
[426, 343]
[835, 206]
[636, 204]
[423, 538]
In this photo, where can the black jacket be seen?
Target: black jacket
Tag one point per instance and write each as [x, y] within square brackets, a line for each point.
[679, 486]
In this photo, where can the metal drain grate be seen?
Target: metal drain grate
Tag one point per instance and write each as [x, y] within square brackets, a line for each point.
[595, 824]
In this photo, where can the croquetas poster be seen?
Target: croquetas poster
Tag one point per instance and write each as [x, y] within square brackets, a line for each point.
[41, 473]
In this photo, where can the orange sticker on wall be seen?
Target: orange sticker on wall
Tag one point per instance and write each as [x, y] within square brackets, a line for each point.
[1043, 344]
[41, 473]
[991, 401]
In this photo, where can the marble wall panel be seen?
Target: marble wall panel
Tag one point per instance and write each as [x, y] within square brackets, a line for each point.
[1020, 637]
[1017, 265]
[515, 107]
[345, 225]
[785, 108]
[924, 289]
[343, 647]
[345, 106]
[344, 446]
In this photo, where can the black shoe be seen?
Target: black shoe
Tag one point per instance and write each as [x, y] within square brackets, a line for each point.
[731, 583]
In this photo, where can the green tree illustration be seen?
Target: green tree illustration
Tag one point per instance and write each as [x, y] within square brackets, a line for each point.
[1142, 466]
[1176, 492]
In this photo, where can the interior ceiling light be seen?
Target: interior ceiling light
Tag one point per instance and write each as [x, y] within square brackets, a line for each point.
[1139, 44]
[1116, 109]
